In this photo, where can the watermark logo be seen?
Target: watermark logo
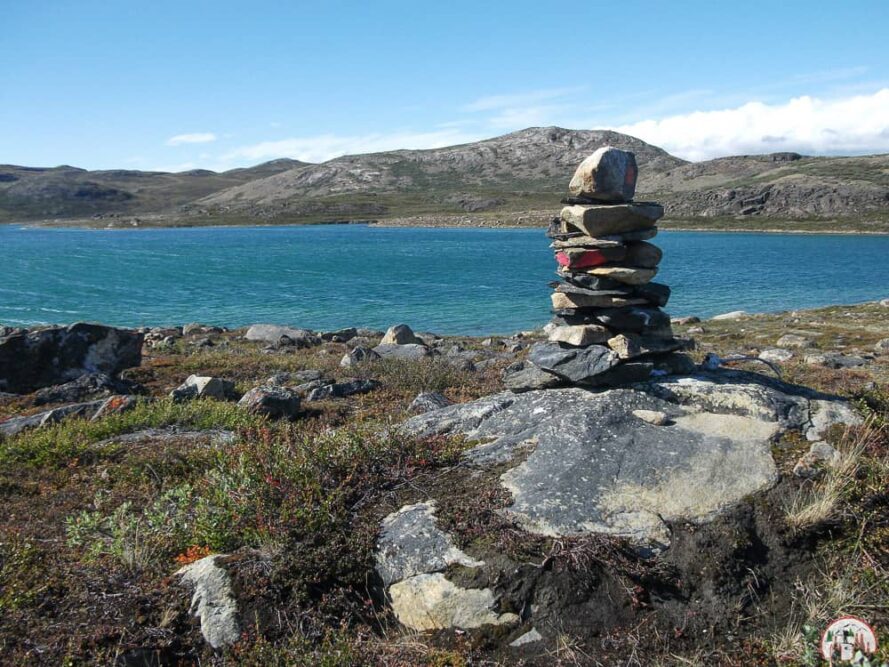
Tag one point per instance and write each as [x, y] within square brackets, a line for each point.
[848, 639]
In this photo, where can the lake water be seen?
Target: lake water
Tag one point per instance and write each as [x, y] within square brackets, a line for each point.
[452, 281]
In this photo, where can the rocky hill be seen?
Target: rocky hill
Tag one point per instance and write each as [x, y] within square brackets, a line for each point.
[29, 193]
[521, 171]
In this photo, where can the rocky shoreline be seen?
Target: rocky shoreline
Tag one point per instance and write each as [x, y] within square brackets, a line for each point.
[503, 220]
[198, 488]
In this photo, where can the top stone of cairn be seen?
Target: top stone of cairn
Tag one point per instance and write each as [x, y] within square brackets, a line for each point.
[609, 174]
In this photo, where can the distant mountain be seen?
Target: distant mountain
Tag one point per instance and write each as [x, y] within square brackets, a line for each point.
[525, 170]
[28, 193]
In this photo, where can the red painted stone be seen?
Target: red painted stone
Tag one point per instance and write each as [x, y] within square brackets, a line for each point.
[582, 260]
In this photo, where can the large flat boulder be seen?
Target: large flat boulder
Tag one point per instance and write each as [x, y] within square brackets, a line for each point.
[31, 360]
[590, 464]
[274, 333]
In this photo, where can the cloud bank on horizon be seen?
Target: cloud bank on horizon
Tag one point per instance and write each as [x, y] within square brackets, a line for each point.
[844, 126]
[847, 125]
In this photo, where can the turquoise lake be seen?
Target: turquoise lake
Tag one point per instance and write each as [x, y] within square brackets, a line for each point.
[451, 281]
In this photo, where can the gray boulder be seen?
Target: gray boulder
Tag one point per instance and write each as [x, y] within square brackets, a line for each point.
[776, 355]
[400, 334]
[428, 401]
[306, 388]
[358, 355]
[733, 315]
[201, 386]
[586, 463]
[834, 360]
[881, 347]
[340, 335]
[793, 340]
[342, 389]
[405, 352]
[273, 333]
[271, 401]
[294, 378]
[213, 601]
[33, 359]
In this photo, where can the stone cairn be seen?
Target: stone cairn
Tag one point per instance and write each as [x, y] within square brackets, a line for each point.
[608, 327]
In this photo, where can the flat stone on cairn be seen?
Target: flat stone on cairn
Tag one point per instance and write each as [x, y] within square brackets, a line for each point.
[610, 328]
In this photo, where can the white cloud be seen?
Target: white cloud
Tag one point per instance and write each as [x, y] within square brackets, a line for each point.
[847, 125]
[327, 146]
[193, 138]
[513, 100]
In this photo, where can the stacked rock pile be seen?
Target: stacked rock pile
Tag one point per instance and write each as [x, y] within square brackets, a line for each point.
[608, 328]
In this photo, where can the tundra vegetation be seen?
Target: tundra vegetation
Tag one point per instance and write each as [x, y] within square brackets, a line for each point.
[94, 524]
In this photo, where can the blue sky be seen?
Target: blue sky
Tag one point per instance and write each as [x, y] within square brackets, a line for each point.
[185, 84]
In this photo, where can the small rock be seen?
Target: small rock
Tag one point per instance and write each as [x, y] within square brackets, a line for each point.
[340, 335]
[342, 389]
[307, 387]
[683, 321]
[358, 355]
[406, 351]
[775, 355]
[882, 347]
[834, 360]
[793, 340]
[528, 638]
[695, 330]
[431, 601]
[400, 334]
[271, 401]
[296, 377]
[811, 464]
[655, 417]
[200, 386]
[733, 315]
[195, 327]
[213, 601]
[884, 303]
[429, 401]
[825, 414]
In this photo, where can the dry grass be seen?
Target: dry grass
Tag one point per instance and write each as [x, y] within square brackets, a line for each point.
[817, 602]
[823, 500]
